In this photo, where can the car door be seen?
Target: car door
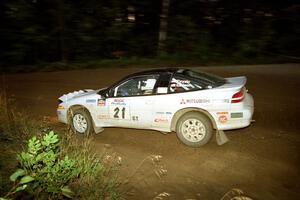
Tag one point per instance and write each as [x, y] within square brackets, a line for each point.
[131, 102]
[163, 108]
[179, 93]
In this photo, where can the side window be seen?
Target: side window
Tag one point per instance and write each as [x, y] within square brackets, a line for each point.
[183, 84]
[138, 86]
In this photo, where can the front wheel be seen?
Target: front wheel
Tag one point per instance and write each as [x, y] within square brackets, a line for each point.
[194, 129]
[81, 122]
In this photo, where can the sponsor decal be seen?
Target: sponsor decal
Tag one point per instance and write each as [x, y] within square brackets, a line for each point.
[103, 116]
[179, 83]
[160, 120]
[236, 115]
[184, 81]
[163, 113]
[90, 101]
[101, 102]
[222, 117]
[192, 101]
[220, 100]
[162, 90]
[197, 101]
[118, 102]
[222, 113]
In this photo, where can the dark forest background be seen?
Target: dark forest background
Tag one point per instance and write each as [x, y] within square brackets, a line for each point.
[39, 32]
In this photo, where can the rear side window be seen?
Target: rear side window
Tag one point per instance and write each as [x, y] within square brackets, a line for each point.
[188, 80]
[208, 79]
[184, 84]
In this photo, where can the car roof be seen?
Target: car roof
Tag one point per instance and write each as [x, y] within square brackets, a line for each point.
[157, 71]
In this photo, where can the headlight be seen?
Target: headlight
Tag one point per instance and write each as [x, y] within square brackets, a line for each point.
[60, 107]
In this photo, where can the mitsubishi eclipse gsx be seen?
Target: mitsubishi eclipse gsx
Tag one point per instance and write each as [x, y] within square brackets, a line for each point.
[192, 104]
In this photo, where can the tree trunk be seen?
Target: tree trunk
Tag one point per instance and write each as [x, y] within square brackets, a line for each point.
[61, 30]
[163, 26]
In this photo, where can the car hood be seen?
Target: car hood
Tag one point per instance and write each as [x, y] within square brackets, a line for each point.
[77, 94]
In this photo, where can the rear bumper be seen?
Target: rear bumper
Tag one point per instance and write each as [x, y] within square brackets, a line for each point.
[239, 116]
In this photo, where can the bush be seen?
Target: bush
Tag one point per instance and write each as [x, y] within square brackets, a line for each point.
[43, 170]
[46, 171]
[49, 163]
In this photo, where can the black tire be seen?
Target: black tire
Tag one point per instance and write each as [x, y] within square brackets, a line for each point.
[80, 122]
[194, 129]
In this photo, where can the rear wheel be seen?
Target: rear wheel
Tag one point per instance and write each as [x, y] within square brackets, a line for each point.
[194, 129]
[81, 122]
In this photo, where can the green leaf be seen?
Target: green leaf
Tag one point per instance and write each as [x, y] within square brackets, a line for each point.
[26, 179]
[18, 173]
[67, 192]
[50, 139]
[20, 188]
[39, 157]
[51, 133]
[52, 189]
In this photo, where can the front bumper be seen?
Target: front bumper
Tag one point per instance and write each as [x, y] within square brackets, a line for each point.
[62, 115]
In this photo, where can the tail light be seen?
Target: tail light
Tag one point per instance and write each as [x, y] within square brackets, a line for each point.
[238, 97]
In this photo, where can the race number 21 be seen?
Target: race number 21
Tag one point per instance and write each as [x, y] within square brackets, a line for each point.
[117, 113]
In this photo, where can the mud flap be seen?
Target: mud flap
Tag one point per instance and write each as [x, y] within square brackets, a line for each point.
[98, 129]
[221, 137]
[165, 133]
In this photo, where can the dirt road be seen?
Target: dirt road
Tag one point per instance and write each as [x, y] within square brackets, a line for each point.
[262, 160]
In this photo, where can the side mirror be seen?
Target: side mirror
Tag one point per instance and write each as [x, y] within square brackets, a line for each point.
[106, 94]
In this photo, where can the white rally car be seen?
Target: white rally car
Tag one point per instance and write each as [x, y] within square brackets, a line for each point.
[193, 104]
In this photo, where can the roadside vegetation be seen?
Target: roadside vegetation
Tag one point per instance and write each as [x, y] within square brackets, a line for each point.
[136, 62]
[38, 163]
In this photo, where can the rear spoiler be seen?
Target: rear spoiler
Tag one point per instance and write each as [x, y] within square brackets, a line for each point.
[235, 82]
